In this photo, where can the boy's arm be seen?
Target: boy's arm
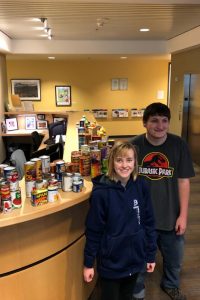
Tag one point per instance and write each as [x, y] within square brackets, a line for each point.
[184, 193]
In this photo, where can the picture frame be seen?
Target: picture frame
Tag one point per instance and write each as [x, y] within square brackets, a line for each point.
[58, 119]
[30, 123]
[41, 117]
[42, 124]
[123, 84]
[27, 89]
[115, 84]
[11, 124]
[63, 95]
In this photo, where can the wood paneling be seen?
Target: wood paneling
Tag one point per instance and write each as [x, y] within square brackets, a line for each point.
[59, 278]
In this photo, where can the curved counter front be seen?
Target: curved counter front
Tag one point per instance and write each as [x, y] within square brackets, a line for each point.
[41, 252]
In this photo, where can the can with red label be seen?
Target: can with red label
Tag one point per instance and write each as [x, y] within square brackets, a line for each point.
[10, 173]
[16, 199]
[7, 205]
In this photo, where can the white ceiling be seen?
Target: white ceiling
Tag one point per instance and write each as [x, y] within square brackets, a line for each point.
[74, 21]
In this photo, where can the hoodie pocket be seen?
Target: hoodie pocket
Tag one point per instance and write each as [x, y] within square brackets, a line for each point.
[123, 251]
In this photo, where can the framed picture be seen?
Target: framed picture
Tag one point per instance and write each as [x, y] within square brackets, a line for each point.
[55, 119]
[41, 117]
[11, 124]
[27, 89]
[42, 124]
[115, 84]
[63, 95]
[30, 123]
[123, 84]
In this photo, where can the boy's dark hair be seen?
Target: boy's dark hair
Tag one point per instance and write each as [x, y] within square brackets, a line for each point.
[156, 109]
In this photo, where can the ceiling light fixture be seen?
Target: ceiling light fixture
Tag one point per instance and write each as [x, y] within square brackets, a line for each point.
[123, 57]
[144, 29]
[51, 57]
[46, 28]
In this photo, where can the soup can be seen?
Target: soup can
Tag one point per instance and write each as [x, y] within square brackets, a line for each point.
[29, 185]
[60, 166]
[67, 180]
[10, 173]
[53, 194]
[16, 198]
[2, 167]
[76, 187]
[38, 167]
[45, 163]
[7, 205]
[29, 171]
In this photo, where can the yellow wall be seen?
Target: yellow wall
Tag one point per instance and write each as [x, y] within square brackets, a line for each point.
[90, 80]
[182, 63]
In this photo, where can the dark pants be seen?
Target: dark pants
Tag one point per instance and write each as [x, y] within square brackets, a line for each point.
[171, 247]
[117, 289]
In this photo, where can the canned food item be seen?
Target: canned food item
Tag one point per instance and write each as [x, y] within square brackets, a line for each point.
[14, 185]
[60, 166]
[5, 190]
[95, 169]
[45, 163]
[38, 167]
[41, 184]
[104, 167]
[7, 205]
[52, 167]
[2, 167]
[53, 194]
[30, 171]
[95, 155]
[67, 180]
[85, 149]
[29, 185]
[85, 165]
[10, 173]
[16, 198]
[76, 187]
[69, 167]
[39, 197]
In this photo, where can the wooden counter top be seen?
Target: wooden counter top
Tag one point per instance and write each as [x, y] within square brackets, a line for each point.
[28, 212]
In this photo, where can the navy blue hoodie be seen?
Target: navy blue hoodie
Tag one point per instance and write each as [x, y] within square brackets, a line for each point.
[120, 228]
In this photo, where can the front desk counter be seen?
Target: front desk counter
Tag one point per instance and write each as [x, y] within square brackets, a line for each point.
[41, 249]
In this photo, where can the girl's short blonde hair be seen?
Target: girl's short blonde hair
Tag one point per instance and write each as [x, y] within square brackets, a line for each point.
[119, 149]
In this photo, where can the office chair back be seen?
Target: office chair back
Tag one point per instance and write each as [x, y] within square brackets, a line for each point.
[36, 140]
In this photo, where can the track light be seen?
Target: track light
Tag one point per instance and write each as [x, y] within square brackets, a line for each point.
[47, 29]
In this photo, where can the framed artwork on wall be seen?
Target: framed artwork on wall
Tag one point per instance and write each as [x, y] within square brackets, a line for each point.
[41, 116]
[42, 124]
[63, 95]
[11, 124]
[27, 89]
[30, 123]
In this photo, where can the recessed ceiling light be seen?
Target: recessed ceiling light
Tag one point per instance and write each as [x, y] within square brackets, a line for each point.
[51, 57]
[144, 29]
[123, 57]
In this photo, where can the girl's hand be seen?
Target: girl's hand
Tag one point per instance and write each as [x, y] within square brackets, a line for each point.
[88, 274]
[150, 267]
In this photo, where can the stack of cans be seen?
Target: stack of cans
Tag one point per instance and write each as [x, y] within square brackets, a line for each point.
[9, 190]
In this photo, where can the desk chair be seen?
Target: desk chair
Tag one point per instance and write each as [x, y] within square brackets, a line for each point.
[57, 128]
[36, 140]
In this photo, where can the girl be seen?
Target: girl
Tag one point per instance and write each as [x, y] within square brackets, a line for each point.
[120, 230]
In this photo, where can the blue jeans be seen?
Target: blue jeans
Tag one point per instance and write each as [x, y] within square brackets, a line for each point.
[171, 247]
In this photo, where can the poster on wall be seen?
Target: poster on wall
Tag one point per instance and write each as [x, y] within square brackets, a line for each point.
[63, 95]
[26, 89]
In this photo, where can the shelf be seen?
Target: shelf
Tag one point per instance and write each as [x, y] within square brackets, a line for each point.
[34, 113]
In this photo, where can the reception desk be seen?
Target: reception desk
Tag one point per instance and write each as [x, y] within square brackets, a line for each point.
[41, 252]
